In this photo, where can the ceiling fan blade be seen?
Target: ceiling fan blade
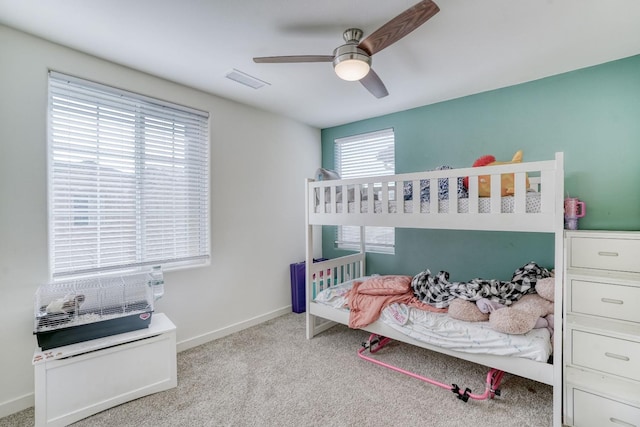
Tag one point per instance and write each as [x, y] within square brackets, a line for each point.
[295, 58]
[399, 26]
[374, 85]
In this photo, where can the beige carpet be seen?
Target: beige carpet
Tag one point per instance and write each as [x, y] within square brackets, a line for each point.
[271, 375]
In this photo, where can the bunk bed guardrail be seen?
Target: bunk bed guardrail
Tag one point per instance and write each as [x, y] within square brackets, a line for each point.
[380, 200]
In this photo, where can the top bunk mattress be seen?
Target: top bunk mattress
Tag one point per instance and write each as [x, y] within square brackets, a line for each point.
[507, 205]
[441, 330]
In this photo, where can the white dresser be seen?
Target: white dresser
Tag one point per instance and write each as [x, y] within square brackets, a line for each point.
[602, 329]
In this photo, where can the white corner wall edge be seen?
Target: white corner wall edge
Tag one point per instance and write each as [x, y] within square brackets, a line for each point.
[228, 330]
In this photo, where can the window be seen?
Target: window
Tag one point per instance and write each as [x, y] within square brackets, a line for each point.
[366, 155]
[128, 180]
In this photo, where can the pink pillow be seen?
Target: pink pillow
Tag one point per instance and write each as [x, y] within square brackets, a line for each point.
[385, 285]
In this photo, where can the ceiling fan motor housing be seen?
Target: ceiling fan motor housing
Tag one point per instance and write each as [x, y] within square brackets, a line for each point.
[350, 62]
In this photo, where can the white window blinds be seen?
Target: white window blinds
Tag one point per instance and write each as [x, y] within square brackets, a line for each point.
[362, 155]
[128, 180]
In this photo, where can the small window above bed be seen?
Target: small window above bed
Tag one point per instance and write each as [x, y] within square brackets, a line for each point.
[366, 154]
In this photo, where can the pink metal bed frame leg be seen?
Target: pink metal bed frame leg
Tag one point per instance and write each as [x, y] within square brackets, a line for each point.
[494, 376]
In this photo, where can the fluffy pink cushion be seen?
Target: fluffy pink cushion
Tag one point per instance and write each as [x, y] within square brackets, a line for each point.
[385, 285]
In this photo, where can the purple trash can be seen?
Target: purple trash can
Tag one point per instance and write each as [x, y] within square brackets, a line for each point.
[298, 294]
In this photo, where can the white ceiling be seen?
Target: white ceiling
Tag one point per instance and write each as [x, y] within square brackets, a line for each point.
[470, 46]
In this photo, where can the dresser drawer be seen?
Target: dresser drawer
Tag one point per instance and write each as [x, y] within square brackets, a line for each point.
[617, 254]
[606, 354]
[605, 300]
[591, 410]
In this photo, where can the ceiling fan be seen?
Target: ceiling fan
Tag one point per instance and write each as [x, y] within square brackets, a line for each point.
[352, 60]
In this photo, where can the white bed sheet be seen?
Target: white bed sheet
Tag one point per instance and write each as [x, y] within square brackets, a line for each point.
[484, 205]
[441, 330]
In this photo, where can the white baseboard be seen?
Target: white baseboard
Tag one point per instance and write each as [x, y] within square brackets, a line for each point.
[16, 405]
[228, 330]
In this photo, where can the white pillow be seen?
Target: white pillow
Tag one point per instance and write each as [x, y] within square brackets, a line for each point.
[323, 174]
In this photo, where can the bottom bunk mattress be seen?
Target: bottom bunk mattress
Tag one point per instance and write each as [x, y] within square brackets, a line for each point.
[441, 330]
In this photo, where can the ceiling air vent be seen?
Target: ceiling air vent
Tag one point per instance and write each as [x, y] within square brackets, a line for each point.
[246, 79]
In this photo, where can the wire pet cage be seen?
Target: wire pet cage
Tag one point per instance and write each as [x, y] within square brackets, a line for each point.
[80, 310]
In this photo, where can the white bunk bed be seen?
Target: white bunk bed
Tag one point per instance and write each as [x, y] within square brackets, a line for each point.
[379, 201]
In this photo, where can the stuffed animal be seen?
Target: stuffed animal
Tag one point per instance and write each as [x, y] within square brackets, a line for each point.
[484, 181]
[466, 310]
[532, 311]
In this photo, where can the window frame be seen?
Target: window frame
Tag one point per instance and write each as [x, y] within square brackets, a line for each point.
[170, 161]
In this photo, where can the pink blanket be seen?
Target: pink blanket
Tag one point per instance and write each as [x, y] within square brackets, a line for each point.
[368, 298]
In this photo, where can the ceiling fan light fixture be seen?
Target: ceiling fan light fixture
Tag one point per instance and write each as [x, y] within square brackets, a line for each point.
[351, 63]
[352, 69]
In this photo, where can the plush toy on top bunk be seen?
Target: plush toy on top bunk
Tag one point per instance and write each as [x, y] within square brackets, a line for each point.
[484, 181]
[531, 311]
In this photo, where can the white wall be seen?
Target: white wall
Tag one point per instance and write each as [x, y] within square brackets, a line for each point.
[258, 164]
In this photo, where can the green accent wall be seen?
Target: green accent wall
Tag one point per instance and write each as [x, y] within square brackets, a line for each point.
[592, 115]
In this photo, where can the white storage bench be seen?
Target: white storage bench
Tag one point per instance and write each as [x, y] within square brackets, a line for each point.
[79, 380]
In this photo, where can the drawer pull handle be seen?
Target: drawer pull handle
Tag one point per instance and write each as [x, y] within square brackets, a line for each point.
[617, 356]
[622, 423]
[603, 253]
[612, 301]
